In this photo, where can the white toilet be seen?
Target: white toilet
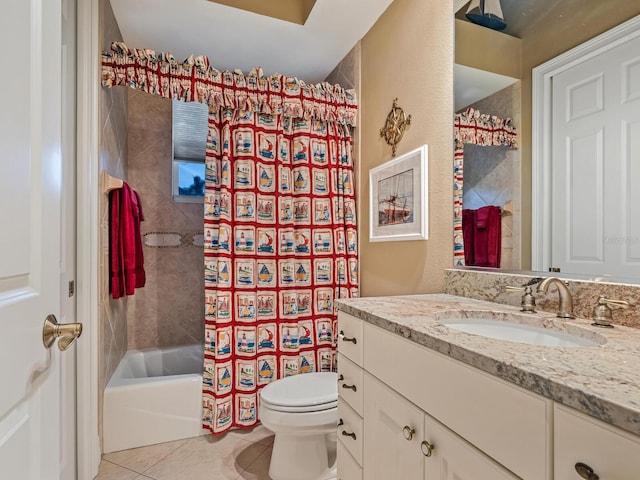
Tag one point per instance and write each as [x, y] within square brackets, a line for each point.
[302, 411]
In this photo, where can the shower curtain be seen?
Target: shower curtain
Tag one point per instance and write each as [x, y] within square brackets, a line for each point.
[473, 127]
[279, 221]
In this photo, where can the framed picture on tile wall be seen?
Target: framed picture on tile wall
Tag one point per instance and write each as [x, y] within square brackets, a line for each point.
[398, 198]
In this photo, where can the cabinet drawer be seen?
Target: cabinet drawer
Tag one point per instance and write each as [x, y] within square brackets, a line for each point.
[350, 337]
[350, 383]
[350, 430]
[348, 468]
[504, 421]
[609, 451]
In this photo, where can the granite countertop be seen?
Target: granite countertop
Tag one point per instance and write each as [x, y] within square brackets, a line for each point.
[602, 381]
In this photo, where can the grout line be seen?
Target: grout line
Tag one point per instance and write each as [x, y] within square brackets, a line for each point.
[168, 453]
[121, 466]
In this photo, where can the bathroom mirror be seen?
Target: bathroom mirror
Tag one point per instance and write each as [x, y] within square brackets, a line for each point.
[493, 73]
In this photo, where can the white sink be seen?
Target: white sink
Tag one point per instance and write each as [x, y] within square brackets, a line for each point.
[522, 329]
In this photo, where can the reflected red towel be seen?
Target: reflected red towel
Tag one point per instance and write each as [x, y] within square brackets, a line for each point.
[127, 261]
[487, 237]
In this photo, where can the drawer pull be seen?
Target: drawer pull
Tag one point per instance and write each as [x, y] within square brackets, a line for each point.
[347, 434]
[408, 432]
[340, 423]
[347, 339]
[341, 378]
[427, 448]
[351, 387]
[585, 471]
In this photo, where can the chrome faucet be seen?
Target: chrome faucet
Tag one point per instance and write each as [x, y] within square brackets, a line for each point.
[565, 304]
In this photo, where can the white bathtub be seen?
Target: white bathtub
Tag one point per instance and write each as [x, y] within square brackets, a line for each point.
[154, 396]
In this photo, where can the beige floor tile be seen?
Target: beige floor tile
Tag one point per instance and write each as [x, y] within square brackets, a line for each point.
[111, 471]
[259, 469]
[257, 434]
[141, 459]
[207, 458]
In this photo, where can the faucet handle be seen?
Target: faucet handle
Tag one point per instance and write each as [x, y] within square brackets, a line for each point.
[602, 311]
[528, 302]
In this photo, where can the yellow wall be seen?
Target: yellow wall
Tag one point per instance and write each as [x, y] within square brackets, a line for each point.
[476, 47]
[408, 54]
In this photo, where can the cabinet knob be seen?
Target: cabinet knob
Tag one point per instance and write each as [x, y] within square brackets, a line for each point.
[427, 448]
[585, 471]
[408, 432]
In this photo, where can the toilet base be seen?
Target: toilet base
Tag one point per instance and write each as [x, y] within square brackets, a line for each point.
[301, 457]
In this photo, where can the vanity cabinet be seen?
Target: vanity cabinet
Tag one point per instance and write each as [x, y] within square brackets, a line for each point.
[411, 413]
[404, 443]
[350, 398]
[484, 421]
[611, 453]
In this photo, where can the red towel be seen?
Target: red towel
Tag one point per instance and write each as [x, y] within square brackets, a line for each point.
[127, 261]
[487, 237]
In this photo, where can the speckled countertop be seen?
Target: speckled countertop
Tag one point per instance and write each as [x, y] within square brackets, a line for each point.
[602, 381]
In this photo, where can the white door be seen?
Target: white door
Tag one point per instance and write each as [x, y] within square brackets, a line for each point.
[596, 165]
[33, 439]
[393, 430]
[452, 458]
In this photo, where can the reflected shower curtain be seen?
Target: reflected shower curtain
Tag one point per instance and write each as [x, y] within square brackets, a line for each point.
[280, 248]
[279, 221]
[476, 128]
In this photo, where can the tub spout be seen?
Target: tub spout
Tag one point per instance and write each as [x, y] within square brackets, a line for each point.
[565, 302]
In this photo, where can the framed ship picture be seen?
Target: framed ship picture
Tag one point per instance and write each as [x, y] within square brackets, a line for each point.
[398, 198]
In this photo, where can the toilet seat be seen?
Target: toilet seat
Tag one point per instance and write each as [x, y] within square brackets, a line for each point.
[302, 393]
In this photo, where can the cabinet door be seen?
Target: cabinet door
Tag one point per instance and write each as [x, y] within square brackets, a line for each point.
[393, 429]
[611, 453]
[452, 458]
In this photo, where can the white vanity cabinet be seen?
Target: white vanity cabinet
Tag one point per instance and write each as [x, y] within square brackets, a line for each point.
[416, 414]
[403, 443]
[350, 398]
[609, 452]
[477, 419]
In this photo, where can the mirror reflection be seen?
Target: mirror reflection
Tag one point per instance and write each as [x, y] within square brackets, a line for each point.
[586, 222]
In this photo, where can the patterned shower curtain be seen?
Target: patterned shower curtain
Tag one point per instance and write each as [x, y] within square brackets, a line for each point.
[279, 221]
[473, 127]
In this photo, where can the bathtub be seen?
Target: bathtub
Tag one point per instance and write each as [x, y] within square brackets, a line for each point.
[154, 396]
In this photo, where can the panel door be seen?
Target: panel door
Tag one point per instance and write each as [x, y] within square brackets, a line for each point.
[596, 165]
[452, 458]
[30, 242]
[393, 429]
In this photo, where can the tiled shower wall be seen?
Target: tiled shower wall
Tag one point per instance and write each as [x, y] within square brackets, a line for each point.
[492, 174]
[169, 310]
[112, 314]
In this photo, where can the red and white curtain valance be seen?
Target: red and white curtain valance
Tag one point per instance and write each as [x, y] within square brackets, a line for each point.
[476, 128]
[195, 80]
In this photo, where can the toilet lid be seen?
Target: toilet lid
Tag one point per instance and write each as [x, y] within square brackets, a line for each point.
[318, 390]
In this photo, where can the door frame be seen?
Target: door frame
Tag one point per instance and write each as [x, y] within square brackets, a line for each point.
[87, 230]
[541, 210]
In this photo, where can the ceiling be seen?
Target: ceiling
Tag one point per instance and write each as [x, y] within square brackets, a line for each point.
[471, 85]
[234, 38]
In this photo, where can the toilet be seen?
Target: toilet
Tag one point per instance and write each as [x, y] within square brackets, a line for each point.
[302, 411]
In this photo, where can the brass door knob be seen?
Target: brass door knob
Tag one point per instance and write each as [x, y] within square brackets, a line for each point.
[66, 332]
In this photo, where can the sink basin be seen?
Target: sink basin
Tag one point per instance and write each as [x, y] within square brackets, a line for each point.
[521, 329]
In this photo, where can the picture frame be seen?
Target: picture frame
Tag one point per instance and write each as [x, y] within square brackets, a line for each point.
[398, 198]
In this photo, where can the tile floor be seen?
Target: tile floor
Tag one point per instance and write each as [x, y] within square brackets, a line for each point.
[238, 455]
